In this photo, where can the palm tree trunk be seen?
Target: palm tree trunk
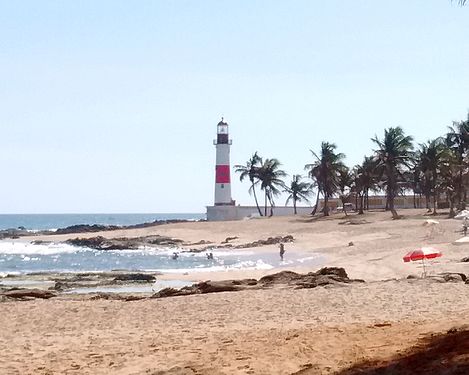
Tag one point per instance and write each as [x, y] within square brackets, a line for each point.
[265, 202]
[392, 209]
[360, 212]
[316, 205]
[451, 207]
[326, 208]
[294, 206]
[272, 204]
[255, 198]
[435, 191]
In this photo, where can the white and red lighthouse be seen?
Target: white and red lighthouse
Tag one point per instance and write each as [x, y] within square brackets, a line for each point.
[222, 169]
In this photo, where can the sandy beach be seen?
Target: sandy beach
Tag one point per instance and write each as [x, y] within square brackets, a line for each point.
[324, 330]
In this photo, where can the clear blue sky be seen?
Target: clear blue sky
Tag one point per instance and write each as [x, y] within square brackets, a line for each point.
[112, 106]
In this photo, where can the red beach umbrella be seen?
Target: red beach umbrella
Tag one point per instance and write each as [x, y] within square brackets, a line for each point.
[422, 254]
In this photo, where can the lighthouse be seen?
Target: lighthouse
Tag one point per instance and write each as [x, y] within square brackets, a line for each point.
[222, 168]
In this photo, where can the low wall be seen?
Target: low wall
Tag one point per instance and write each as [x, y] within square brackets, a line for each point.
[222, 213]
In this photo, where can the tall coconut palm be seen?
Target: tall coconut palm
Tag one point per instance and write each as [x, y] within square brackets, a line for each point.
[369, 178]
[325, 172]
[430, 158]
[251, 171]
[270, 176]
[298, 191]
[364, 179]
[457, 139]
[344, 182]
[358, 187]
[394, 154]
[449, 172]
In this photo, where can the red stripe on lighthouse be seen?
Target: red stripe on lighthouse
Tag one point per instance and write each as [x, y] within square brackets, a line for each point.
[222, 174]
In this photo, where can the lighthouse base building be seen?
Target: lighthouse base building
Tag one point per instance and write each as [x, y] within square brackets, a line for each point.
[224, 207]
[220, 213]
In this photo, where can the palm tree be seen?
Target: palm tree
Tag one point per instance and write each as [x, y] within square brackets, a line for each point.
[430, 157]
[345, 180]
[298, 190]
[449, 173]
[325, 172]
[457, 139]
[364, 178]
[393, 155]
[251, 171]
[270, 177]
[370, 180]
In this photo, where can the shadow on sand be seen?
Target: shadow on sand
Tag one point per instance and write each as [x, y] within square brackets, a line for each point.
[446, 353]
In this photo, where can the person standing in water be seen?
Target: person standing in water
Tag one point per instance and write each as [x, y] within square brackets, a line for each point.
[282, 250]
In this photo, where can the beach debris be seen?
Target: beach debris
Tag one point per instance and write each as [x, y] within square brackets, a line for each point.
[381, 325]
[116, 297]
[23, 293]
[354, 221]
[325, 276]
[465, 259]
[430, 222]
[350, 243]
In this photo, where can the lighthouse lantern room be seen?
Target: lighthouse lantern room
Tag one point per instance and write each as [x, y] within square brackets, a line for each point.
[222, 169]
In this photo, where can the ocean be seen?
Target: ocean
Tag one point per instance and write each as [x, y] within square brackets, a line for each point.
[20, 257]
[34, 222]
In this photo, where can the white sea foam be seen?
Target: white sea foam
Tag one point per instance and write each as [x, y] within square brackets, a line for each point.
[25, 248]
[243, 265]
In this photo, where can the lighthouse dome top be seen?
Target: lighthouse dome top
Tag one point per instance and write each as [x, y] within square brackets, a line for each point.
[222, 122]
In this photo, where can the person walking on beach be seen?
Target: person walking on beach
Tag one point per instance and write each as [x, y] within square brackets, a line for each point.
[282, 250]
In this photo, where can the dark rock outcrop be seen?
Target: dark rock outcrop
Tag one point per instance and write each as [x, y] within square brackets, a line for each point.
[325, 276]
[22, 293]
[14, 233]
[123, 243]
[268, 241]
[85, 228]
[136, 277]
[228, 239]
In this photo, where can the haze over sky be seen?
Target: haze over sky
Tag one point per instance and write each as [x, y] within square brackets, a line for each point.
[112, 106]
